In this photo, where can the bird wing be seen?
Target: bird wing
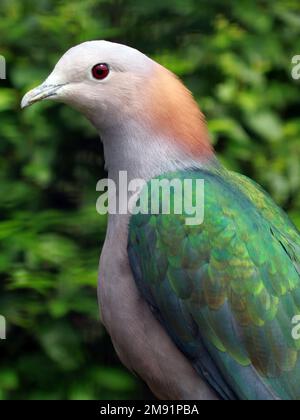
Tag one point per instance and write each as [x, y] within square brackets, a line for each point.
[226, 290]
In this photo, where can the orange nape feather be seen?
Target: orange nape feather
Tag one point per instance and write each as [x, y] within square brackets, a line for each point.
[174, 113]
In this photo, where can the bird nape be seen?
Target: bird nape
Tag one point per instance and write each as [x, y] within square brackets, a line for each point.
[198, 311]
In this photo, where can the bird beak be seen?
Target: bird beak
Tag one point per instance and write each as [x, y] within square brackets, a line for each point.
[44, 91]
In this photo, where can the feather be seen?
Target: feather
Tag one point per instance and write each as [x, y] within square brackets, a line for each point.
[230, 287]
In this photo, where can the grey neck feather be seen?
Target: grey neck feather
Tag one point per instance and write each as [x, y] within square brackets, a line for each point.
[132, 148]
[136, 150]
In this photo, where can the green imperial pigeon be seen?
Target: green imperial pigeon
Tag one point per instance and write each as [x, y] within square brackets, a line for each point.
[199, 311]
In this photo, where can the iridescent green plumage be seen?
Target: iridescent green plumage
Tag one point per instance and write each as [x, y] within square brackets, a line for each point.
[228, 289]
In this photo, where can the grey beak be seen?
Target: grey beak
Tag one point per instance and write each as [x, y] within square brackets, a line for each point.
[40, 93]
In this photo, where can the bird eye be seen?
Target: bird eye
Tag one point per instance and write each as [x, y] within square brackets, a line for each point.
[100, 71]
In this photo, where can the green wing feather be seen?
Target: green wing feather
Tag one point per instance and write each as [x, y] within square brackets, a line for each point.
[226, 290]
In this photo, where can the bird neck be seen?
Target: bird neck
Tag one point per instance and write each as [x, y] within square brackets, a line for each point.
[171, 111]
[145, 154]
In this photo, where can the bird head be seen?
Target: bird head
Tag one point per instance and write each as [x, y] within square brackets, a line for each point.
[112, 84]
[101, 79]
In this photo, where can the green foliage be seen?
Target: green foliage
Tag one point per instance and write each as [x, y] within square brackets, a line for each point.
[235, 57]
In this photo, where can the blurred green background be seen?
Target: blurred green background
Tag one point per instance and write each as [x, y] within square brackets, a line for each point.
[235, 57]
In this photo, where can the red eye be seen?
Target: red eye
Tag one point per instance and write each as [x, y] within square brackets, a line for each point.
[100, 71]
